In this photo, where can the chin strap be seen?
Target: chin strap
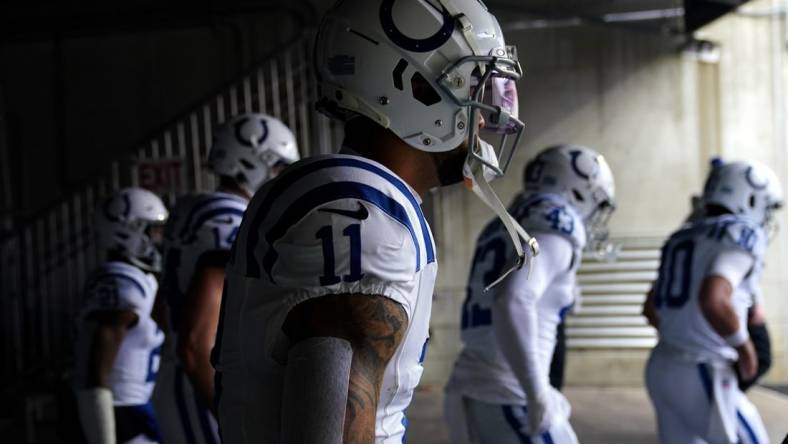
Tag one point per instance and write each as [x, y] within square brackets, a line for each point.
[476, 181]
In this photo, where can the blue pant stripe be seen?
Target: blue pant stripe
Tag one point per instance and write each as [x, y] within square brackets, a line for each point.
[705, 378]
[747, 427]
[183, 412]
[205, 422]
[515, 424]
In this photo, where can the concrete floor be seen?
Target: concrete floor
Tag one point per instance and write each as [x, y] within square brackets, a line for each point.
[599, 415]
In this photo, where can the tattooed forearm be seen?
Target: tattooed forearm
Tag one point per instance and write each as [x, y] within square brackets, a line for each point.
[374, 326]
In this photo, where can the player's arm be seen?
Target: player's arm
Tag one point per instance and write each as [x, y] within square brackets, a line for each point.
[374, 327]
[716, 301]
[106, 330]
[759, 334]
[515, 318]
[650, 309]
[199, 321]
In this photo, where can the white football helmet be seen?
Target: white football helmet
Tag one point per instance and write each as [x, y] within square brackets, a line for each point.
[747, 188]
[583, 177]
[429, 71]
[415, 68]
[249, 146]
[124, 224]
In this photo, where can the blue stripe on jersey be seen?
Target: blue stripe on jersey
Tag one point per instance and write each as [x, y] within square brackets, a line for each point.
[208, 200]
[329, 193]
[115, 274]
[515, 425]
[705, 378]
[747, 427]
[208, 215]
[288, 178]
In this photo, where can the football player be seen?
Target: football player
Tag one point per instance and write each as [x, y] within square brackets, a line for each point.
[247, 151]
[708, 273]
[499, 391]
[118, 343]
[326, 310]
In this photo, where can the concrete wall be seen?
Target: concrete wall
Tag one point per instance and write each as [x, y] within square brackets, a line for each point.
[657, 114]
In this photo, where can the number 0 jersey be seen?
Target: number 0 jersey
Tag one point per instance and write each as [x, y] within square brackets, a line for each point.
[687, 257]
[117, 286]
[481, 371]
[333, 224]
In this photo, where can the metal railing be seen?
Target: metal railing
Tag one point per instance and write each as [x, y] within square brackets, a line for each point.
[43, 264]
[612, 298]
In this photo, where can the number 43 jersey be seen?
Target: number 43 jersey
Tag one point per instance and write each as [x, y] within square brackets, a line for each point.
[687, 257]
[481, 371]
[335, 224]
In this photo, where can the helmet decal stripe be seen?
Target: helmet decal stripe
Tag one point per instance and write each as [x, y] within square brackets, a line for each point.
[415, 45]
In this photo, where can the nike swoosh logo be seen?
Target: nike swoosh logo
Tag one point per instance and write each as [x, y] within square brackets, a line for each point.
[359, 214]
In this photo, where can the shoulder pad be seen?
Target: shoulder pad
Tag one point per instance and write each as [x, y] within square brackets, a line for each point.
[118, 286]
[737, 233]
[210, 221]
[549, 213]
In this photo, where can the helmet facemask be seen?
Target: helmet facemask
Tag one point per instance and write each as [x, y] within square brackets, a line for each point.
[598, 233]
[493, 98]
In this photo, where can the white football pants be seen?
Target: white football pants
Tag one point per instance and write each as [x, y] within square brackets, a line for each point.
[682, 394]
[476, 422]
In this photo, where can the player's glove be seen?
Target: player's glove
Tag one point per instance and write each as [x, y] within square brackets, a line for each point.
[547, 408]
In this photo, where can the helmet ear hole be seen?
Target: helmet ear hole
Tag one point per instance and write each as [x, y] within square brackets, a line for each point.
[246, 164]
[578, 196]
[423, 91]
[752, 201]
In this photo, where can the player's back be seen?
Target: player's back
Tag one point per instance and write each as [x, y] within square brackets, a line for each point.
[121, 286]
[686, 257]
[201, 228]
[481, 371]
[333, 224]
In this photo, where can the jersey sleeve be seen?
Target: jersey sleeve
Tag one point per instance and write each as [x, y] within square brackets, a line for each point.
[350, 246]
[545, 215]
[118, 292]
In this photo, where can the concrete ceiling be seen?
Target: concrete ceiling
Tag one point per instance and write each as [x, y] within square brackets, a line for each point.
[662, 16]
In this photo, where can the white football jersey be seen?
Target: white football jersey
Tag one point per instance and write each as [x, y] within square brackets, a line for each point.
[332, 224]
[481, 371]
[121, 286]
[686, 257]
[200, 226]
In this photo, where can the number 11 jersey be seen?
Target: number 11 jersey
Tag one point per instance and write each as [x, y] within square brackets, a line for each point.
[336, 224]
[687, 258]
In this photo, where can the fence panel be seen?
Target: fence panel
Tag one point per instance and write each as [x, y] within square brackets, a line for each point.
[44, 264]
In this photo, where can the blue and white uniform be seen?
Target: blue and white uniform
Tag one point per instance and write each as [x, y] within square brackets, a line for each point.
[690, 375]
[333, 224]
[118, 286]
[200, 231]
[483, 390]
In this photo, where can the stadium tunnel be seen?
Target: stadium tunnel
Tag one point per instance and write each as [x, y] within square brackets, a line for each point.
[96, 96]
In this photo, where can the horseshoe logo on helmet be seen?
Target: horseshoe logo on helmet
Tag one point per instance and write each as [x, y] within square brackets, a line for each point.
[415, 45]
[752, 180]
[249, 141]
[576, 166]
